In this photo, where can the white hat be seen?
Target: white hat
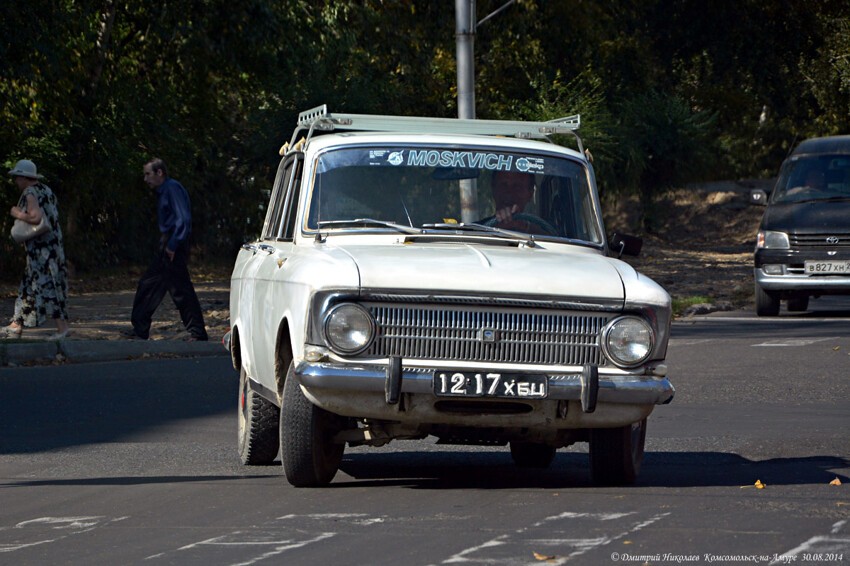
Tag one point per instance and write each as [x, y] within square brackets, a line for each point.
[25, 168]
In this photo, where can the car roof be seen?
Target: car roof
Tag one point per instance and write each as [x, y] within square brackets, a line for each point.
[829, 144]
[355, 129]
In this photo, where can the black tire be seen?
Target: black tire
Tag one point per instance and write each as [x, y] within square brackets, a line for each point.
[616, 453]
[532, 454]
[310, 457]
[798, 303]
[767, 302]
[258, 426]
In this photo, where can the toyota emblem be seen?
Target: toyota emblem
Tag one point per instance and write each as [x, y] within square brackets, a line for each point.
[832, 240]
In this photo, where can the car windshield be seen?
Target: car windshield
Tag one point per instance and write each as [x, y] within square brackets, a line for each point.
[810, 178]
[437, 188]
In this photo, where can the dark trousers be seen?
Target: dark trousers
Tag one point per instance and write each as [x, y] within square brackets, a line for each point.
[172, 277]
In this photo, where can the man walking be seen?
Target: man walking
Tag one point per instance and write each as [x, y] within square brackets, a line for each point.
[168, 272]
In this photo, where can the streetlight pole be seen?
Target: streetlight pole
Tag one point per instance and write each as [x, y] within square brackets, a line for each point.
[465, 37]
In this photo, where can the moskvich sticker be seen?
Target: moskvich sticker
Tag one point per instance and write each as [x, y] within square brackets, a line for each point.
[462, 159]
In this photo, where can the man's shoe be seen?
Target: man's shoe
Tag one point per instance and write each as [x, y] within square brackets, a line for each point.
[131, 335]
[197, 339]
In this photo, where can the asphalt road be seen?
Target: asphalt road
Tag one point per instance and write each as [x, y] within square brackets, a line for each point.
[135, 463]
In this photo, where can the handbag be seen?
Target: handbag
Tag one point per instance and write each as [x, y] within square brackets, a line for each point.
[24, 231]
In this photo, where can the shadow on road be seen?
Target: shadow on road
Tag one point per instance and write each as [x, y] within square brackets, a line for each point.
[48, 408]
[458, 470]
[495, 470]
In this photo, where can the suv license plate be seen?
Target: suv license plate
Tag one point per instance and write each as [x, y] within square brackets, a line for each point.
[827, 267]
[490, 384]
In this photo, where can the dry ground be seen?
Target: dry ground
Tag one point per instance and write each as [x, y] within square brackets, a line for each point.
[703, 246]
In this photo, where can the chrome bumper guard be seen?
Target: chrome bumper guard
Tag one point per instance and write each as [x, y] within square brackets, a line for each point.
[794, 282]
[626, 389]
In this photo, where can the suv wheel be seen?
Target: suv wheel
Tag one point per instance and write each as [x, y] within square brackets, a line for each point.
[532, 454]
[616, 453]
[309, 455]
[258, 425]
[767, 302]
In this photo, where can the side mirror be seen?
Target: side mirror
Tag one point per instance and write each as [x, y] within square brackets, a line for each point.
[758, 197]
[624, 244]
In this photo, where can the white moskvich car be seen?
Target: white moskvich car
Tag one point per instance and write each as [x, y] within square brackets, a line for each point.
[388, 297]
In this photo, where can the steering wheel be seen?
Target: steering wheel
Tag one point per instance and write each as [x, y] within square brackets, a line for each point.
[530, 219]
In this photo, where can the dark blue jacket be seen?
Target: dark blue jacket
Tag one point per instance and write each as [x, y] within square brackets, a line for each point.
[175, 212]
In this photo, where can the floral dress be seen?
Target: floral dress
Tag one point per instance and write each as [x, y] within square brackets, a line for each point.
[44, 287]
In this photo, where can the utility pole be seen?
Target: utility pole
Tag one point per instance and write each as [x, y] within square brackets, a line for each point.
[465, 27]
[465, 37]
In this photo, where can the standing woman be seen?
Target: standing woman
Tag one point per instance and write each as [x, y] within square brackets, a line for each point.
[44, 287]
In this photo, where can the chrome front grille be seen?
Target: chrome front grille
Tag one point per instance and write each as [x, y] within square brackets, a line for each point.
[832, 240]
[478, 334]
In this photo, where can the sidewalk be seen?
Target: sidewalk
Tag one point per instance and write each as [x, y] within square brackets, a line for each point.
[97, 320]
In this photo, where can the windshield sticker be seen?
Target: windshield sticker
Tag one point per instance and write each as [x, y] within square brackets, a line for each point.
[462, 159]
[451, 159]
[533, 164]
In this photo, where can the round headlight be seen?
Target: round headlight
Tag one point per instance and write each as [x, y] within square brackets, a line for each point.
[349, 329]
[628, 341]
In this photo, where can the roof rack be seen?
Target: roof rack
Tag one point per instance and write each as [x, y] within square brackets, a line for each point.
[319, 118]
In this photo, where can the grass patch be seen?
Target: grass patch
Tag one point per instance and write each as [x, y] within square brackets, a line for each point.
[682, 303]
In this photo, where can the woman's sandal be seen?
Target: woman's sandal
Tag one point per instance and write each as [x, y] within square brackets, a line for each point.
[11, 332]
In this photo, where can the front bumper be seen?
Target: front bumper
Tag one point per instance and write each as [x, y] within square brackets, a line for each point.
[793, 276]
[618, 389]
[832, 284]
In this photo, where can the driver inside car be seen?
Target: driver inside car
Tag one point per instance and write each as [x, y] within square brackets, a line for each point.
[512, 191]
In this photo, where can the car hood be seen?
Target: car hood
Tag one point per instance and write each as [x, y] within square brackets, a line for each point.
[808, 217]
[544, 270]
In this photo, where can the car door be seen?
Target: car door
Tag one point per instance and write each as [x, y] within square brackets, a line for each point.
[270, 299]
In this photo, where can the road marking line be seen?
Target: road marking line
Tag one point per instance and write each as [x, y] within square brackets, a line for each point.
[794, 342]
[460, 556]
[582, 545]
[814, 545]
[63, 522]
[79, 524]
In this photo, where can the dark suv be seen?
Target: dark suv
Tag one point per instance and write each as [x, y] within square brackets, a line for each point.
[803, 245]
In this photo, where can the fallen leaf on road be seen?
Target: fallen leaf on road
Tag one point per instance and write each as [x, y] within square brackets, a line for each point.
[543, 557]
[836, 481]
[759, 485]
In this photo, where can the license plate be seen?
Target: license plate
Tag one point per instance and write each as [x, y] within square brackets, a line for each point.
[827, 267]
[489, 384]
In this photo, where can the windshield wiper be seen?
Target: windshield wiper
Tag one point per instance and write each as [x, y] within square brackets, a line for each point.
[366, 223]
[473, 227]
[819, 199]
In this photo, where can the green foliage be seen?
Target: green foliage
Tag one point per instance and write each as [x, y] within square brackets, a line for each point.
[91, 90]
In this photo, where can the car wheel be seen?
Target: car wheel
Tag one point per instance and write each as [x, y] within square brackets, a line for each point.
[767, 302]
[532, 454]
[798, 303]
[258, 425]
[616, 453]
[310, 456]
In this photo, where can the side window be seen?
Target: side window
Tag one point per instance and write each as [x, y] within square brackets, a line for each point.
[291, 210]
[278, 200]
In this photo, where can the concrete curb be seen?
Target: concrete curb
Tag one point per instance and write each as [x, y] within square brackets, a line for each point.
[82, 351]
